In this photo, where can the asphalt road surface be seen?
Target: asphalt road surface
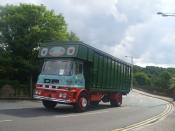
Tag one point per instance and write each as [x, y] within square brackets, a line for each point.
[32, 116]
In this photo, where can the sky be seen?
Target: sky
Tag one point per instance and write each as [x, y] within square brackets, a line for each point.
[120, 27]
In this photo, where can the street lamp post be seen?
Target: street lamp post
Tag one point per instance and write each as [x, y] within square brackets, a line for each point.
[165, 15]
[132, 67]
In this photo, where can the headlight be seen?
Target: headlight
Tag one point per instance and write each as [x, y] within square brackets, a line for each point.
[61, 94]
[64, 95]
[38, 92]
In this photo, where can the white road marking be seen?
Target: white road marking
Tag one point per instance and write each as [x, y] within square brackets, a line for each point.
[83, 114]
[5, 121]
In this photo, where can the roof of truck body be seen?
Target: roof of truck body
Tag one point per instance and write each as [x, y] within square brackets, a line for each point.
[77, 43]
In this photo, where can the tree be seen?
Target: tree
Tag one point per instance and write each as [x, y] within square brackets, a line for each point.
[141, 78]
[172, 86]
[164, 80]
[172, 83]
[22, 29]
[72, 37]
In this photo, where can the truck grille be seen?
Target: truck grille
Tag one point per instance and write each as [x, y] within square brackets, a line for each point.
[51, 81]
[46, 86]
[50, 86]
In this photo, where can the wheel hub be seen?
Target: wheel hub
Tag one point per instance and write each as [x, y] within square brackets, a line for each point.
[83, 102]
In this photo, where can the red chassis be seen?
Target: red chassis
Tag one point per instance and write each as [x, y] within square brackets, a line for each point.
[76, 96]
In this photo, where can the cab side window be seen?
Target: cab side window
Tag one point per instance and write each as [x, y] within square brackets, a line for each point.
[78, 68]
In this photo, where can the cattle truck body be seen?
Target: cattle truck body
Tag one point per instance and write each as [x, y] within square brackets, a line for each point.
[78, 74]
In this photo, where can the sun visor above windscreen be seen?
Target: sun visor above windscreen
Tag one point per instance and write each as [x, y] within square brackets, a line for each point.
[58, 51]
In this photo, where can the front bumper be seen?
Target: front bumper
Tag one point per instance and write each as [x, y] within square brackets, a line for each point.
[52, 99]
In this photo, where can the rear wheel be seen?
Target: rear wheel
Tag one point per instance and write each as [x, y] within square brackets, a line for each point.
[115, 103]
[82, 103]
[116, 100]
[49, 104]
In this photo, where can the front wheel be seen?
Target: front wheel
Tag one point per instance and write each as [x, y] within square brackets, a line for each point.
[49, 104]
[82, 103]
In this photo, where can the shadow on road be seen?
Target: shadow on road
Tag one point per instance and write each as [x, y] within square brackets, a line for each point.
[41, 111]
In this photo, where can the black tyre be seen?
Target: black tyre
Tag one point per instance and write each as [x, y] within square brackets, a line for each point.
[115, 103]
[49, 104]
[82, 103]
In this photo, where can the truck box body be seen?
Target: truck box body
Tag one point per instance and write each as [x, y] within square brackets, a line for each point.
[102, 71]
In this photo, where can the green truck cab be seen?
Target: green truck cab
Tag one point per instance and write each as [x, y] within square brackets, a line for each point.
[78, 74]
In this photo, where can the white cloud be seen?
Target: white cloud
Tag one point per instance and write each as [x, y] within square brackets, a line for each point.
[16, 2]
[121, 27]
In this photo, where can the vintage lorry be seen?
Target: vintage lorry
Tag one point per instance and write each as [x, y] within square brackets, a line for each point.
[78, 74]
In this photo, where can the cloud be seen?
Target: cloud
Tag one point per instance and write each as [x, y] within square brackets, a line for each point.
[121, 27]
[95, 22]
[16, 2]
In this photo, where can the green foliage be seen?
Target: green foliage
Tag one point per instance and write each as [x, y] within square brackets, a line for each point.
[72, 37]
[164, 79]
[172, 83]
[154, 77]
[142, 78]
[22, 29]
[9, 82]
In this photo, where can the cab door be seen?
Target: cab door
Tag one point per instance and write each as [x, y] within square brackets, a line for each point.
[79, 77]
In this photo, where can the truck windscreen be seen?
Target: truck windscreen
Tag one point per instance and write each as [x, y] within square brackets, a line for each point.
[57, 67]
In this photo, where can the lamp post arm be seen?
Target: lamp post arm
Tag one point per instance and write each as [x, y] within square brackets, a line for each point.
[165, 14]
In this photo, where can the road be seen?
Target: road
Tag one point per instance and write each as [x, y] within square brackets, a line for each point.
[31, 116]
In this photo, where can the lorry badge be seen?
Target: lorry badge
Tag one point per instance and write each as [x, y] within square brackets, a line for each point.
[57, 51]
